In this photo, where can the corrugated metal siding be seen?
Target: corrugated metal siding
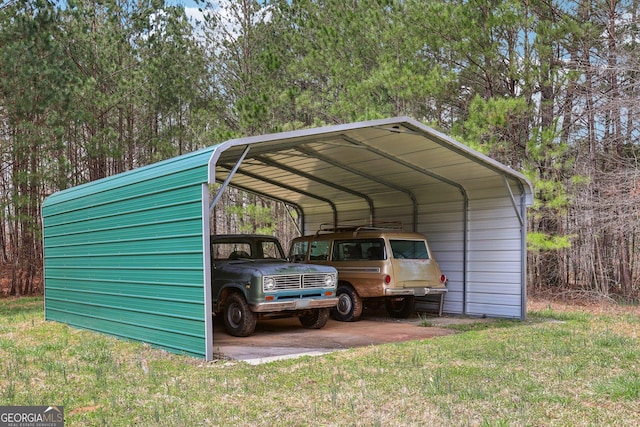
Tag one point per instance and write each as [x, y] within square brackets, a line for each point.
[443, 224]
[124, 255]
[494, 286]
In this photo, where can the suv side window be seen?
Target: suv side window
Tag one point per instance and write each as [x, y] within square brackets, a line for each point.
[299, 251]
[319, 250]
[346, 250]
[409, 249]
[358, 249]
[374, 250]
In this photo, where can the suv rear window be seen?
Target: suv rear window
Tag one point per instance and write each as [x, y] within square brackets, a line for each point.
[409, 249]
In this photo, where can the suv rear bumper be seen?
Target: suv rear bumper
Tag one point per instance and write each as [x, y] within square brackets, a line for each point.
[418, 292]
[296, 304]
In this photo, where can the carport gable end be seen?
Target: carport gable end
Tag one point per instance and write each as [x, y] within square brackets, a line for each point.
[128, 255]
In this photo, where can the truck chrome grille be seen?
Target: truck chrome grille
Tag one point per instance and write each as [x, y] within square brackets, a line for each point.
[291, 281]
[296, 281]
[313, 281]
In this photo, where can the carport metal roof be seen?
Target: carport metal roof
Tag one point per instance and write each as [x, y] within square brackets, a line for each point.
[364, 166]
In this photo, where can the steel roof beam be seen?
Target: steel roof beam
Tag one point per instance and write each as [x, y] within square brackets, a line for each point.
[313, 153]
[286, 187]
[407, 164]
[329, 184]
[226, 182]
[295, 206]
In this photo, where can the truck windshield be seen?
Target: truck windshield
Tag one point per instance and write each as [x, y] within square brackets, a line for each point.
[271, 249]
[254, 249]
[409, 249]
[234, 250]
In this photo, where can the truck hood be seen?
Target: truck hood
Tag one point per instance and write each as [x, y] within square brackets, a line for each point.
[271, 267]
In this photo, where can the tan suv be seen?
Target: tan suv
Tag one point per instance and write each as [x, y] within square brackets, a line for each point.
[374, 264]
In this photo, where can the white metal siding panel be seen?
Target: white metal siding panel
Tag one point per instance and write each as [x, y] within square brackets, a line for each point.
[443, 224]
[494, 262]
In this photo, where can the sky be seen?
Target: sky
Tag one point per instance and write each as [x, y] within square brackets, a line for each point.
[190, 8]
[185, 3]
[188, 4]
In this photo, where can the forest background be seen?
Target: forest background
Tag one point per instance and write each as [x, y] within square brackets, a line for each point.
[548, 87]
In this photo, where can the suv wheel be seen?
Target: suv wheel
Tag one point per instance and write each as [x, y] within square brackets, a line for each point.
[314, 319]
[400, 307]
[239, 320]
[349, 306]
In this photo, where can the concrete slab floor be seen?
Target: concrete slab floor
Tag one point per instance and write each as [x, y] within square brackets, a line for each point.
[286, 338]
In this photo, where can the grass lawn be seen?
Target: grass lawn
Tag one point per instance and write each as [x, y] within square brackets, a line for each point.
[559, 368]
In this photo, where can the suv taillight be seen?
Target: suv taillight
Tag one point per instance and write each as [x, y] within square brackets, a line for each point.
[443, 278]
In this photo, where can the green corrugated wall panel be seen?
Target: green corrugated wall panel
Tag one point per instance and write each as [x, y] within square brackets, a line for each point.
[108, 322]
[124, 219]
[163, 277]
[128, 210]
[193, 163]
[150, 231]
[124, 255]
[130, 245]
[129, 305]
[132, 261]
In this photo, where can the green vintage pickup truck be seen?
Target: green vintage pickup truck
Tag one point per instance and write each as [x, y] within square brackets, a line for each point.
[252, 280]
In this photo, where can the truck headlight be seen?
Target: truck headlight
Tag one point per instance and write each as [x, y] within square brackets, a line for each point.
[329, 280]
[269, 283]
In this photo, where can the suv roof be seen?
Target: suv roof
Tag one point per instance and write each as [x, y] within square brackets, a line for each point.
[363, 232]
[381, 226]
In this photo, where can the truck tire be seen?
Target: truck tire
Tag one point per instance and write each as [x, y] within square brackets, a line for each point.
[400, 307]
[349, 308]
[239, 320]
[314, 319]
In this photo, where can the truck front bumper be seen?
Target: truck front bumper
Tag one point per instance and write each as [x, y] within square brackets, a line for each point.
[294, 304]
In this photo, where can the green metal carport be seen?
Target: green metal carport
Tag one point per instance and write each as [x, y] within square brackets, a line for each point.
[128, 255]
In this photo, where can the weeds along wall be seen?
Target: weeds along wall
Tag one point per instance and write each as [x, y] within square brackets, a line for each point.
[125, 255]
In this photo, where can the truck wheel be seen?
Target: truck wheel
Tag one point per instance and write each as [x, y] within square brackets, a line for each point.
[239, 320]
[349, 306]
[314, 319]
[400, 307]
